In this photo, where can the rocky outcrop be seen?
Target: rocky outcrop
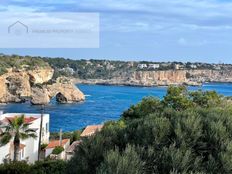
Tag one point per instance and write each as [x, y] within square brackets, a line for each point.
[65, 93]
[14, 87]
[21, 85]
[40, 96]
[40, 76]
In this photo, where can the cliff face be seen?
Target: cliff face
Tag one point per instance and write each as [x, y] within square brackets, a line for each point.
[17, 86]
[173, 77]
[40, 76]
[210, 75]
[151, 78]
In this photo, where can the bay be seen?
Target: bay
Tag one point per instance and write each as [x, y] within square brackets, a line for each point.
[102, 103]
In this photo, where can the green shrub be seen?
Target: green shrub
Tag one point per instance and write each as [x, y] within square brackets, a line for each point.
[49, 167]
[127, 162]
[57, 150]
[15, 168]
[43, 146]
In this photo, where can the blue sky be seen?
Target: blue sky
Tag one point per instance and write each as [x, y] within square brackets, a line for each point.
[158, 30]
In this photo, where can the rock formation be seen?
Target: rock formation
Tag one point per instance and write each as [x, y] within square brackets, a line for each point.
[40, 76]
[40, 96]
[21, 85]
[65, 93]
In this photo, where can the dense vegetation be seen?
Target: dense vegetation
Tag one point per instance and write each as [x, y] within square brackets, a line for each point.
[185, 132]
[20, 62]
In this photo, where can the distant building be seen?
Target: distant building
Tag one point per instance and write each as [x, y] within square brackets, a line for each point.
[68, 70]
[153, 66]
[28, 147]
[71, 149]
[91, 130]
[193, 66]
[142, 66]
[217, 67]
[65, 143]
[178, 66]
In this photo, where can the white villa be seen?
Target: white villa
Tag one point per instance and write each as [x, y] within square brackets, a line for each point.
[153, 66]
[28, 147]
[142, 66]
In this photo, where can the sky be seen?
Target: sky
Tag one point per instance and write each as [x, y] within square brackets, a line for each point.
[156, 30]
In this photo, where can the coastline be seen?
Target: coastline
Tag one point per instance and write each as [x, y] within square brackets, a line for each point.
[120, 82]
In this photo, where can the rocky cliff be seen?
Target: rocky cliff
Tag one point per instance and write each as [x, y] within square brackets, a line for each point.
[159, 78]
[166, 77]
[175, 77]
[18, 86]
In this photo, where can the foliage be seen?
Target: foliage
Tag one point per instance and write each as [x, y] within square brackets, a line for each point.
[15, 168]
[57, 150]
[49, 167]
[127, 162]
[177, 98]
[20, 62]
[41, 167]
[146, 106]
[43, 146]
[166, 136]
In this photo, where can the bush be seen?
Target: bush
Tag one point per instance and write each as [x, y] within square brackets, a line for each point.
[41, 167]
[126, 163]
[15, 168]
[57, 150]
[49, 167]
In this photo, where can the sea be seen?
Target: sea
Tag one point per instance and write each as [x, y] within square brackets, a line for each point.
[103, 103]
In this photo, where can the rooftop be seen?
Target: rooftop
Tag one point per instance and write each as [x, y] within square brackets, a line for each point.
[73, 146]
[26, 119]
[90, 130]
[55, 143]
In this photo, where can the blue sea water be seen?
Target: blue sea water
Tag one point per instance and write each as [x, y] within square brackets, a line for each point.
[102, 103]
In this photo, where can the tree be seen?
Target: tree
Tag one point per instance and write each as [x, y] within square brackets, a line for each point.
[17, 130]
[126, 163]
[177, 98]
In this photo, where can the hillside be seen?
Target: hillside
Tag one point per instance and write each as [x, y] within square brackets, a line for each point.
[134, 73]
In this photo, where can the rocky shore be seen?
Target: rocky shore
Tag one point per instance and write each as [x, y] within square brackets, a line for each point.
[35, 86]
[165, 78]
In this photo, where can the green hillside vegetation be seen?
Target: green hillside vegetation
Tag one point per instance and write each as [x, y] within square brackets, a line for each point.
[185, 132]
[91, 69]
[20, 62]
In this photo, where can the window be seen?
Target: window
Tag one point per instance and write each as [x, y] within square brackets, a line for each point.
[47, 127]
[22, 153]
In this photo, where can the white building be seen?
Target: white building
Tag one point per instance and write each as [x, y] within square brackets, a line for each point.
[28, 147]
[65, 143]
[153, 66]
[142, 66]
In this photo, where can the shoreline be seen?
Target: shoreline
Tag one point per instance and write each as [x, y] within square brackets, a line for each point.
[116, 82]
